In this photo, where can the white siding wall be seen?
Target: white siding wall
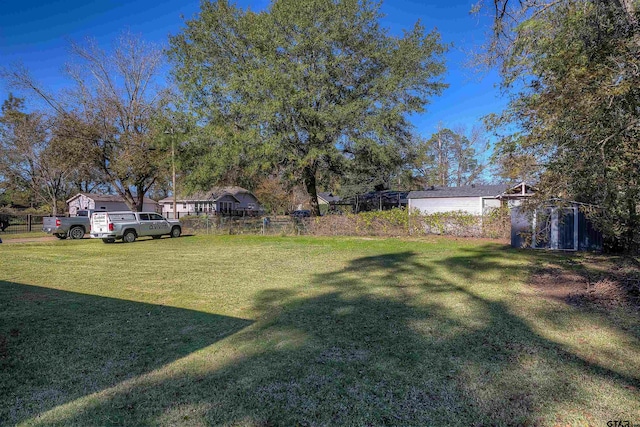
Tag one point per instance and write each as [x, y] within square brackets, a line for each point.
[247, 201]
[183, 208]
[80, 203]
[472, 205]
[189, 207]
[491, 203]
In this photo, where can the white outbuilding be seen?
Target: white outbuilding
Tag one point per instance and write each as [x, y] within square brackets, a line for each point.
[104, 202]
[473, 199]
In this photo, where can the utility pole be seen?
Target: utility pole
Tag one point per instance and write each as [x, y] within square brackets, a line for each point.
[173, 166]
[173, 170]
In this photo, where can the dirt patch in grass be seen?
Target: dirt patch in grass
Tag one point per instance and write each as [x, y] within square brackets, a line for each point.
[596, 281]
[557, 283]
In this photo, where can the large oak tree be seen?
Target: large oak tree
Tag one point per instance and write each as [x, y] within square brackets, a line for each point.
[306, 85]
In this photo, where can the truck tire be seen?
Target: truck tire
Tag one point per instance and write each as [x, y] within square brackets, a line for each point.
[176, 231]
[129, 236]
[76, 232]
[61, 236]
[109, 240]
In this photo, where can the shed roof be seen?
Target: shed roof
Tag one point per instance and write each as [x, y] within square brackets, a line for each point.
[463, 191]
[519, 191]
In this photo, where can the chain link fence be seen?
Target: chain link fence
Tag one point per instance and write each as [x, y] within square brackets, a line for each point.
[396, 222]
[385, 223]
[229, 225]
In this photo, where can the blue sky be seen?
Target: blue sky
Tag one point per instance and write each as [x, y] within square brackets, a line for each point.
[36, 33]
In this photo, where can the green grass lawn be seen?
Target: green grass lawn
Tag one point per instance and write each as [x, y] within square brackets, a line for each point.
[33, 234]
[266, 331]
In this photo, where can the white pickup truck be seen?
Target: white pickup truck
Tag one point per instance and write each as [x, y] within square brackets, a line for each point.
[128, 226]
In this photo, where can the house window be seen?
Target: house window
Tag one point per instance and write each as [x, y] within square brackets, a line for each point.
[184, 205]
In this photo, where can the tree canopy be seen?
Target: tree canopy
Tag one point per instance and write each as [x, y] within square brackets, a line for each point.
[308, 86]
[110, 114]
[449, 158]
[34, 155]
[574, 70]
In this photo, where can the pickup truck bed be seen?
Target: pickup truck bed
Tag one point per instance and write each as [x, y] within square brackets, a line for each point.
[62, 227]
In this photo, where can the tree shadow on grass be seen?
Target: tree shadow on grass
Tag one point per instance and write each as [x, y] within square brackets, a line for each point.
[391, 339]
[57, 346]
[514, 370]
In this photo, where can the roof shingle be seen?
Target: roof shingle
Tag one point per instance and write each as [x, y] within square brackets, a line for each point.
[107, 198]
[463, 191]
[214, 193]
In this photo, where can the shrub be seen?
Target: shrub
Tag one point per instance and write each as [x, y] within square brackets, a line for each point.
[456, 223]
[393, 222]
[496, 223]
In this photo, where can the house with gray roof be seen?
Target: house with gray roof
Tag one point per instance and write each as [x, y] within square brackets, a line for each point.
[474, 199]
[328, 202]
[327, 198]
[227, 200]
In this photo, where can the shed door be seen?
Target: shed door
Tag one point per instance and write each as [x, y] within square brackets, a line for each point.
[567, 238]
[555, 228]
